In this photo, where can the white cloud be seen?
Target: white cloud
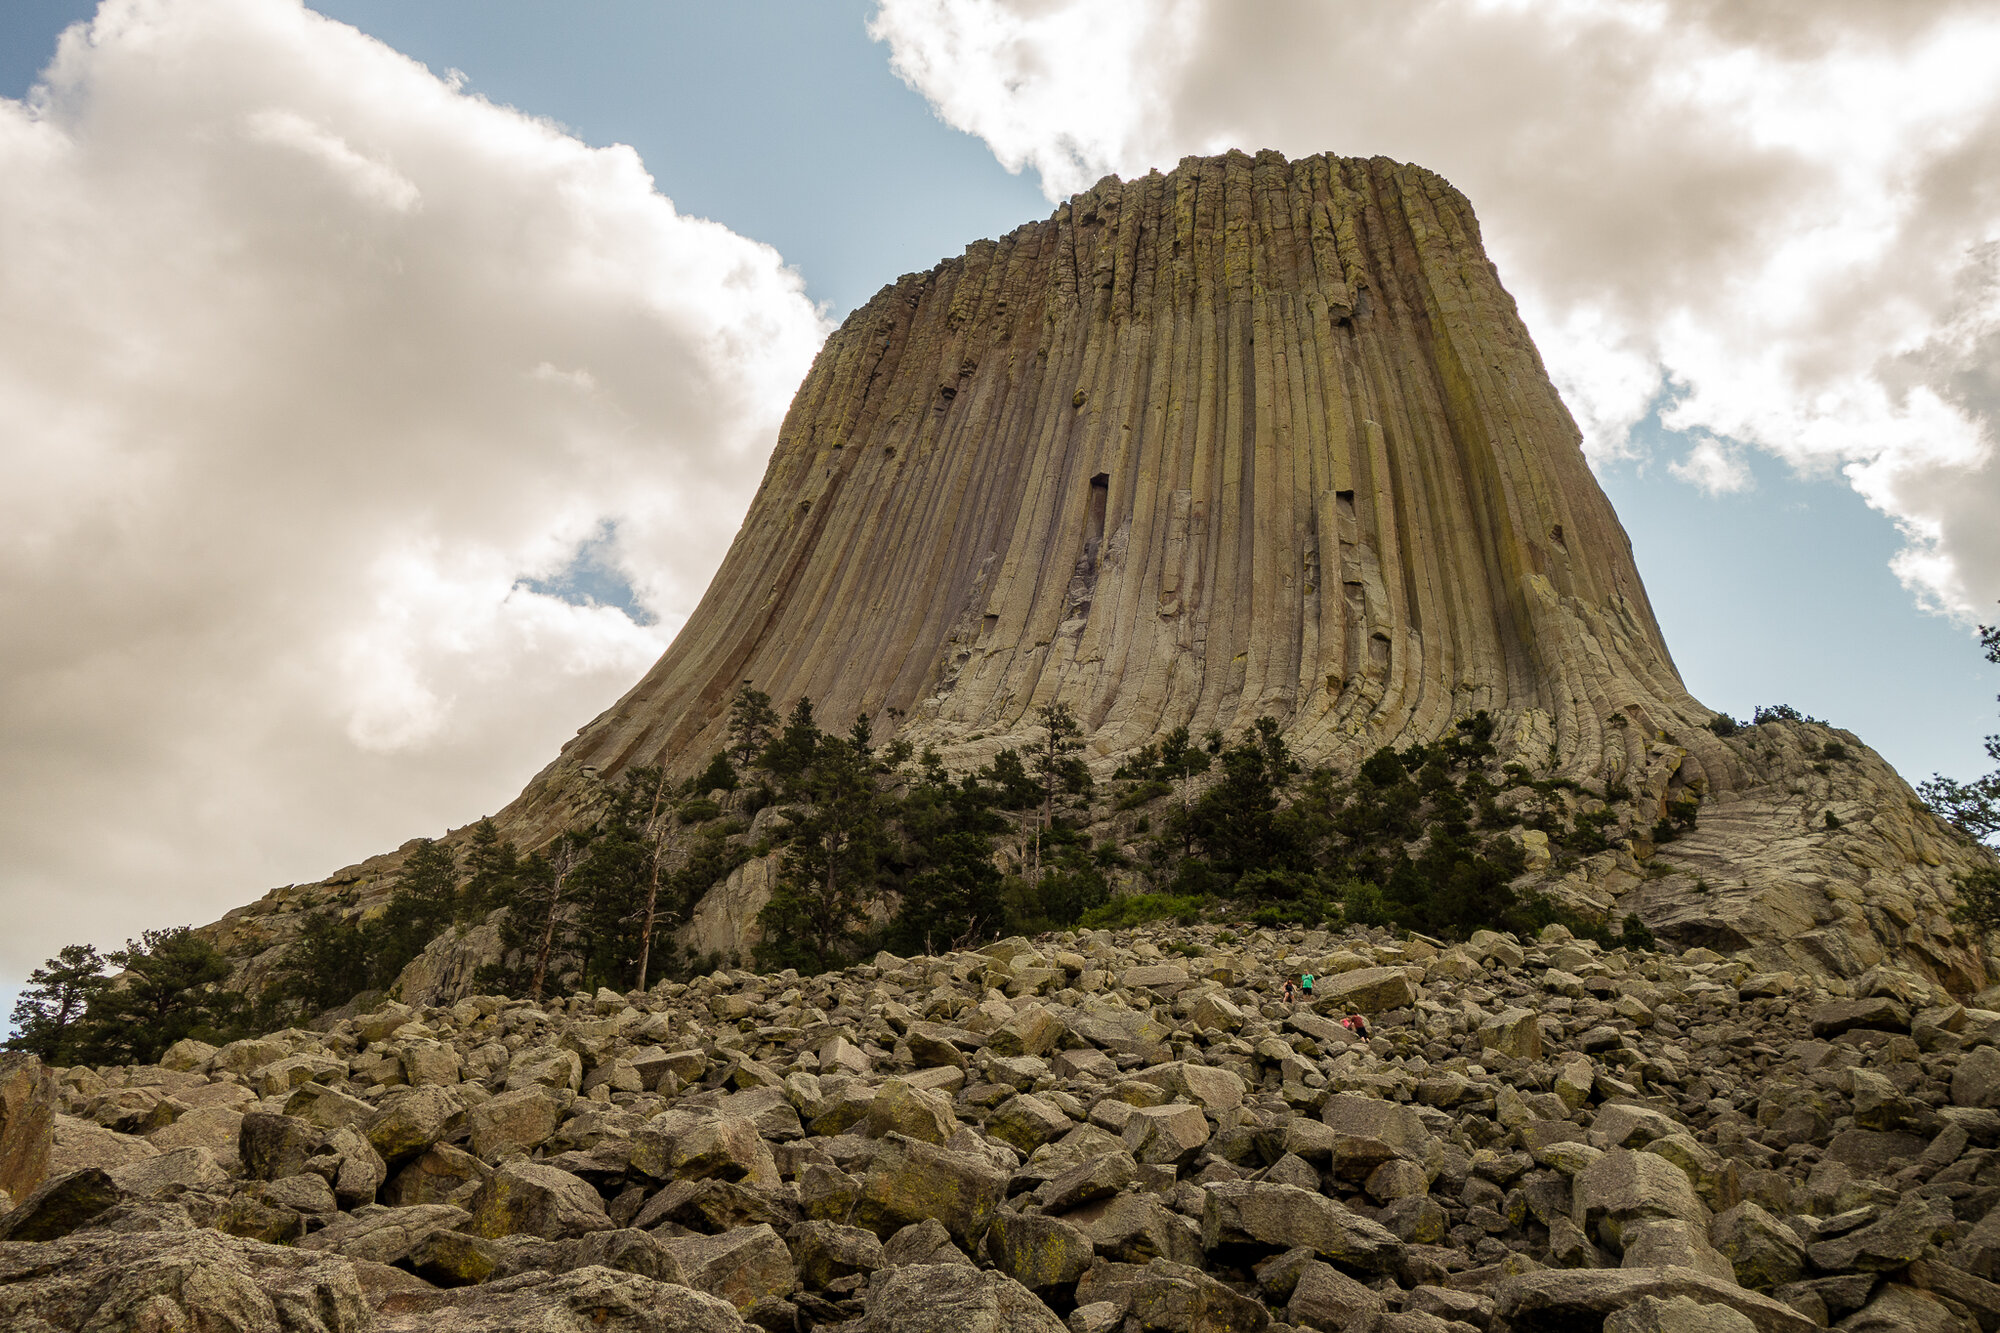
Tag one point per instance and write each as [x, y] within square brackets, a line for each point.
[1788, 211]
[1714, 467]
[307, 360]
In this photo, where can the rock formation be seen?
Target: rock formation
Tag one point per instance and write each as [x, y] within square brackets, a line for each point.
[1099, 1132]
[1254, 437]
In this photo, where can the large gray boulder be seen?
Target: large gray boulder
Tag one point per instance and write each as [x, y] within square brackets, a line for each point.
[824, 1252]
[384, 1235]
[588, 1300]
[625, 1249]
[1886, 1244]
[1763, 1251]
[275, 1146]
[181, 1169]
[1562, 1300]
[1365, 1132]
[920, 1243]
[1171, 1298]
[908, 1181]
[61, 1205]
[742, 1266]
[1168, 1135]
[154, 1282]
[1650, 1314]
[1623, 1187]
[412, 1119]
[529, 1198]
[439, 1174]
[516, 1121]
[954, 1298]
[27, 1123]
[1043, 1254]
[76, 1144]
[1366, 990]
[1256, 1215]
[1138, 1228]
[1325, 1298]
[720, 1148]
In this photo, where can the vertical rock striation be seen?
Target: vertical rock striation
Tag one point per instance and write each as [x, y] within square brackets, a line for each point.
[1252, 437]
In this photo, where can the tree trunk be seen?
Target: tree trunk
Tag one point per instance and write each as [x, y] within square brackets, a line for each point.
[562, 863]
[656, 837]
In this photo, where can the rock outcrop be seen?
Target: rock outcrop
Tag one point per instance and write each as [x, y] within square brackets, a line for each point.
[1085, 1133]
[1255, 437]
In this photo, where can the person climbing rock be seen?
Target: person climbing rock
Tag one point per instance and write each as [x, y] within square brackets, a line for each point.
[1306, 984]
[1356, 1024]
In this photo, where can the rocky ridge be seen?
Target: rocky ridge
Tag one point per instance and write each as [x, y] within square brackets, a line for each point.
[1090, 1132]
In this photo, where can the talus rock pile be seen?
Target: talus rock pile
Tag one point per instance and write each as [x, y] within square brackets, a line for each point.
[1087, 1133]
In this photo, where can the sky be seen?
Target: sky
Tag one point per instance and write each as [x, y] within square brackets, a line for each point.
[381, 383]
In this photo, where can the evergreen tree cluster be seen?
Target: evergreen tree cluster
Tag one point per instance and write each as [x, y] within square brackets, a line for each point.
[166, 987]
[864, 829]
[878, 847]
[1415, 839]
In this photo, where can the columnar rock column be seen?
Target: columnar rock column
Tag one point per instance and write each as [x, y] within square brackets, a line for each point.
[1253, 437]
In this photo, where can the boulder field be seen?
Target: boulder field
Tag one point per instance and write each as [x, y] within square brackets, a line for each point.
[1100, 1132]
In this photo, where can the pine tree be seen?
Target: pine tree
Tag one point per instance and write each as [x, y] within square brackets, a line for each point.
[790, 756]
[423, 901]
[653, 834]
[949, 885]
[616, 887]
[547, 888]
[1056, 768]
[48, 1012]
[170, 989]
[328, 964]
[1182, 760]
[751, 719]
[1017, 789]
[491, 868]
[832, 861]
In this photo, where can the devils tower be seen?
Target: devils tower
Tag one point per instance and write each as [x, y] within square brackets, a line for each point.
[1252, 438]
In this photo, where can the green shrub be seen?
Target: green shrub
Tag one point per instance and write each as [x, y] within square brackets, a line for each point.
[719, 773]
[1136, 909]
[1978, 899]
[1590, 831]
[1144, 793]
